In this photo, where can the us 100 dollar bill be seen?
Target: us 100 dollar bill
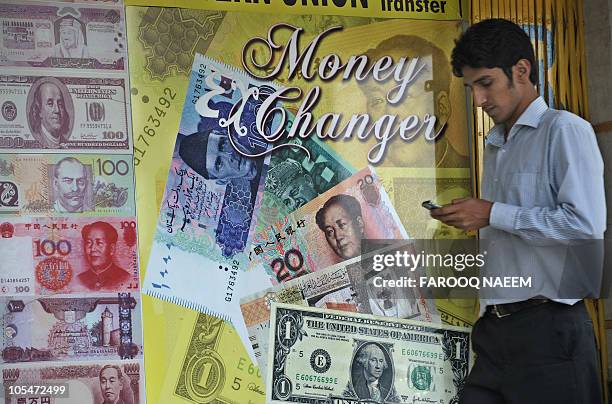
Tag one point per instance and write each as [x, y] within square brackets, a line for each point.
[77, 113]
[66, 185]
[43, 256]
[58, 35]
[71, 328]
[348, 286]
[91, 383]
[321, 356]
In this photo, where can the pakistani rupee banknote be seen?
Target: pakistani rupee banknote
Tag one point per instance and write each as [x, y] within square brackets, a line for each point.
[45, 256]
[213, 193]
[59, 35]
[323, 356]
[66, 185]
[92, 327]
[329, 229]
[103, 381]
[64, 112]
[348, 286]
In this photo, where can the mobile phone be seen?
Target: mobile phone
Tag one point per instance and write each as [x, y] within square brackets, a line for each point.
[430, 205]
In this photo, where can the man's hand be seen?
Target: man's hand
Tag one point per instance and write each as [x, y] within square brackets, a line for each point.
[464, 213]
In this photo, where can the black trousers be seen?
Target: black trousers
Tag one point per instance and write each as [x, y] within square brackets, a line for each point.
[540, 355]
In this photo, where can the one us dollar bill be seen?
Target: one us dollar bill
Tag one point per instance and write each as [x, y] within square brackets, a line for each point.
[325, 356]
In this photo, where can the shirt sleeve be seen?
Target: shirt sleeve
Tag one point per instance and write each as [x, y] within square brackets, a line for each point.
[576, 176]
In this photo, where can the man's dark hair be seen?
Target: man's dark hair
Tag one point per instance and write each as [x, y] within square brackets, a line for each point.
[117, 368]
[494, 43]
[349, 203]
[109, 231]
[192, 151]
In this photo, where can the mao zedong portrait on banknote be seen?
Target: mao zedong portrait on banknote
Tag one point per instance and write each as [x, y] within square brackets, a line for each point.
[50, 112]
[341, 220]
[71, 181]
[99, 243]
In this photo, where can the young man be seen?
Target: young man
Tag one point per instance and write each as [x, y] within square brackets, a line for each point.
[542, 186]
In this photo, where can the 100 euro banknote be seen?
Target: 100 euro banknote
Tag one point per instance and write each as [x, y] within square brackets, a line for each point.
[322, 356]
[43, 256]
[329, 229]
[93, 327]
[66, 185]
[104, 381]
[348, 286]
[59, 35]
[64, 112]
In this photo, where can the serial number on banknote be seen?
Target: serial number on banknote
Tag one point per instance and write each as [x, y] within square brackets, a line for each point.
[58, 390]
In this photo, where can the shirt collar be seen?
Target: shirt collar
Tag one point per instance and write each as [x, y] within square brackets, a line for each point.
[530, 117]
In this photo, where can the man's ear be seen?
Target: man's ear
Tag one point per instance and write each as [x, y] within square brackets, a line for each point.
[443, 107]
[522, 69]
[112, 249]
[360, 224]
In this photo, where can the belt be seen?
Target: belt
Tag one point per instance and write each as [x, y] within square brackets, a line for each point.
[504, 310]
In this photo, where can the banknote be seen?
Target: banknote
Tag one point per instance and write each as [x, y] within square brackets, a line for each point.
[295, 178]
[64, 112]
[348, 286]
[66, 329]
[322, 356]
[328, 229]
[43, 256]
[160, 68]
[66, 185]
[208, 362]
[58, 35]
[104, 381]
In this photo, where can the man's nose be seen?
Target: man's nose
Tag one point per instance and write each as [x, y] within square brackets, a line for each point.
[479, 97]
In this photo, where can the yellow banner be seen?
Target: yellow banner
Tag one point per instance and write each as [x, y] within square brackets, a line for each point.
[412, 9]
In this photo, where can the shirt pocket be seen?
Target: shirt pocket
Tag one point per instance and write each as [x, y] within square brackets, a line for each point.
[522, 189]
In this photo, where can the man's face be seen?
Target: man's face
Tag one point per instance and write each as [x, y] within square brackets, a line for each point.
[342, 232]
[375, 365]
[70, 184]
[52, 110]
[298, 193]
[68, 37]
[224, 162]
[110, 385]
[493, 91]
[98, 250]
[418, 100]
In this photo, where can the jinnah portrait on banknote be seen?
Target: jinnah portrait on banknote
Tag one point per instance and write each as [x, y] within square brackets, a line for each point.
[372, 372]
[100, 243]
[71, 192]
[70, 39]
[50, 112]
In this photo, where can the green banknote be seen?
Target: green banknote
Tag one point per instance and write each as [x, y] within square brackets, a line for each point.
[322, 356]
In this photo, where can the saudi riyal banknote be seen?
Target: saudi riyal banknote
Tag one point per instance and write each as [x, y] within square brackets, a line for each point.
[66, 185]
[62, 36]
[45, 256]
[73, 112]
[329, 229]
[103, 381]
[213, 193]
[66, 329]
[321, 356]
[348, 286]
